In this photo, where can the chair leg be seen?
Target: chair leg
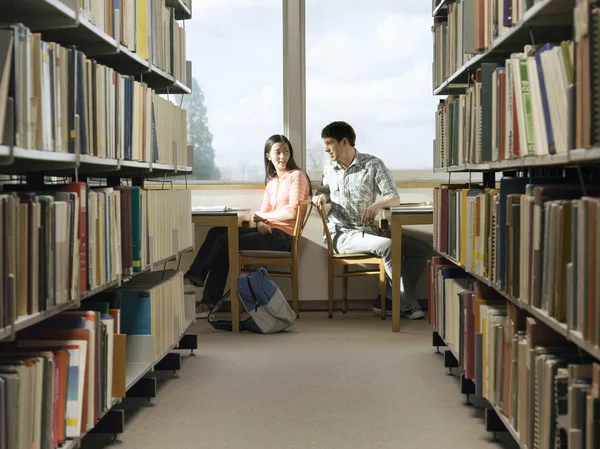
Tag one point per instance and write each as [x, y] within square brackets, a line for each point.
[382, 288]
[295, 297]
[330, 280]
[345, 290]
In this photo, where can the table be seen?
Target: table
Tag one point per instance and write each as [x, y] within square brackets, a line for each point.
[395, 218]
[231, 220]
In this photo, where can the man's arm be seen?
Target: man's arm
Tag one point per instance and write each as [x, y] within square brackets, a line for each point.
[387, 189]
[321, 195]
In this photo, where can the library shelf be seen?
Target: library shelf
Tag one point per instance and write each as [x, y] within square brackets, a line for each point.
[60, 21]
[180, 88]
[5, 332]
[441, 9]
[85, 159]
[547, 20]
[137, 369]
[39, 13]
[134, 372]
[169, 258]
[95, 164]
[560, 328]
[87, 294]
[75, 443]
[16, 160]
[125, 62]
[570, 158]
[70, 444]
[508, 425]
[41, 155]
[182, 11]
[29, 320]
[501, 415]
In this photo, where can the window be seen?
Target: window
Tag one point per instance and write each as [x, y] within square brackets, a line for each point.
[369, 63]
[237, 94]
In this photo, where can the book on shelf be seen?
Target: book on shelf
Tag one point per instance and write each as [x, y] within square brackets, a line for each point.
[544, 387]
[152, 309]
[63, 240]
[516, 109]
[534, 239]
[118, 117]
[59, 377]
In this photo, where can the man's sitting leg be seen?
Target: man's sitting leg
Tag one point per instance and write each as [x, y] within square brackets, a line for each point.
[382, 246]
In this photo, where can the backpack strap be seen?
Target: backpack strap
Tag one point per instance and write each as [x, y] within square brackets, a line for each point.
[252, 293]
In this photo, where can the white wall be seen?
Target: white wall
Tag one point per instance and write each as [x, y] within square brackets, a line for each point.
[313, 251]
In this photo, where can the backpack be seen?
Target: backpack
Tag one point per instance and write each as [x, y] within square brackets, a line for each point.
[269, 310]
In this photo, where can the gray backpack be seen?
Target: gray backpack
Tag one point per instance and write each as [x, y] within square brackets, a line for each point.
[269, 310]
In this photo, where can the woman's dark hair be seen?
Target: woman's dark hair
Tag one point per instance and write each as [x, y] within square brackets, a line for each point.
[270, 171]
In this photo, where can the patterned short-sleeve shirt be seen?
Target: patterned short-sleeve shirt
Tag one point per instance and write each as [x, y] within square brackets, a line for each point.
[353, 190]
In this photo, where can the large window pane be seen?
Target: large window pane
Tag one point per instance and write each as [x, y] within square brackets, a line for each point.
[237, 102]
[369, 63]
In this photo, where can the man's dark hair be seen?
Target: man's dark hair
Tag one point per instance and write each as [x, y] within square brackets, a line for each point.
[339, 130]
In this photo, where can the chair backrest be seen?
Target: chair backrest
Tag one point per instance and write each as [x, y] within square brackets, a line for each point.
[321, 210]
[302, 216]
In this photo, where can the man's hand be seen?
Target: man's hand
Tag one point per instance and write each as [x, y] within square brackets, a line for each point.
[263, 228]
[319, 200]
[370, 213]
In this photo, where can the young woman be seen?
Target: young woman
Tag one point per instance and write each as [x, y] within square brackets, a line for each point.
[286, 184]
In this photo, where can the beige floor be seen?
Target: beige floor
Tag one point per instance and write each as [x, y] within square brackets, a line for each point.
[343, 383]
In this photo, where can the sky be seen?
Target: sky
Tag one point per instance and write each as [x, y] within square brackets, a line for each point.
[368, 62]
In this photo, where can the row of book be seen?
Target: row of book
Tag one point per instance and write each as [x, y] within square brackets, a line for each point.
[65, 240]
[67, 102]
[168, 40]
[170, 228]
[535, 239]
[511, 110]
[153, 309]
[39, 259]
[149, 29]
[61, 376]
[548, 391]
[470, 28]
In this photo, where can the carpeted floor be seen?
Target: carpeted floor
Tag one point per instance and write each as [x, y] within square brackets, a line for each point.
[344, 383]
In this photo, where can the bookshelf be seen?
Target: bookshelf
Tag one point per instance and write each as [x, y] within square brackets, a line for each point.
[85, 121]
[514, 295]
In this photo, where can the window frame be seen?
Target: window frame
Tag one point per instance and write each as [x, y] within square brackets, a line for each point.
[294, 103]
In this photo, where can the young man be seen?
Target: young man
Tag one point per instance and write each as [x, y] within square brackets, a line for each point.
[352, 182]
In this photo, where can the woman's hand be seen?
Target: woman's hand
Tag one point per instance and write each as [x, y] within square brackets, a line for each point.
[263, 228]
[258, 219]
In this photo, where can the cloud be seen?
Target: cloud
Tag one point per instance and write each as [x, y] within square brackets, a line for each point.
[368, 66]
[240, 131]
[208, 10]
[379, 80]
[396, 43]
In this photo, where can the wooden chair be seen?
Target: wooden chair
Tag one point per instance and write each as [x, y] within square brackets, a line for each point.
[345, 260]
[282, 258]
